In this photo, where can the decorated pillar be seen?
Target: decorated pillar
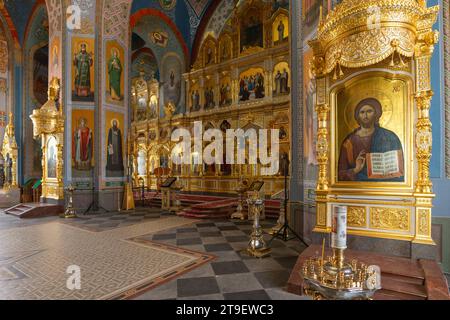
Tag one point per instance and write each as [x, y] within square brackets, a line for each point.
[112, 112]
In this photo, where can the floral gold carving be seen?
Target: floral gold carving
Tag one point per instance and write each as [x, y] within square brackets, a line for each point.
[389, 219]
[423, 221]
[356, 217]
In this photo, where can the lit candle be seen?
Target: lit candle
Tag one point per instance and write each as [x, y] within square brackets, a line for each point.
[339, 227]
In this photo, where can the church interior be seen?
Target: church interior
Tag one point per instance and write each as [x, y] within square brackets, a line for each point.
[224, 149]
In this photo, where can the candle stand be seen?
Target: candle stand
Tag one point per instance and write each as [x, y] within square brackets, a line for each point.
[333, 278]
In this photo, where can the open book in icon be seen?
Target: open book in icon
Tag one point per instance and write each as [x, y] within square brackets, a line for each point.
[385, 165]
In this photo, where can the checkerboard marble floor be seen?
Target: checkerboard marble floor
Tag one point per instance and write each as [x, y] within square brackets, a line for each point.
[111, 220]
[233, 275]
[230, 275]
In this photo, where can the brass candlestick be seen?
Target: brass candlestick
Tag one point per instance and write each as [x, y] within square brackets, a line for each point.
[70, 210]
[239, 214]
[257, 246]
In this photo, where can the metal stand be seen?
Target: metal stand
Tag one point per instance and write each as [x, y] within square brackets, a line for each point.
[282, 233]
[257, 246]
[239, 214]
[70, 210]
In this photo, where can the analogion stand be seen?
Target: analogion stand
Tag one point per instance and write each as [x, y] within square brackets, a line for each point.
[166, 193]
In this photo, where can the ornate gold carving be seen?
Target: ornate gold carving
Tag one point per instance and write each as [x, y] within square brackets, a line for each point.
[423, 221]
[49, 121]
[369, 47]
[356, 217]
[322, 214]
[3, 56]
[10, 150]
[322, 147]
[390, 219]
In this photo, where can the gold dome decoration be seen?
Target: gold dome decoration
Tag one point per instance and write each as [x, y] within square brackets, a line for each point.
[362, 33]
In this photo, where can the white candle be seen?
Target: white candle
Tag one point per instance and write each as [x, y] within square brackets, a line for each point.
[339, 227]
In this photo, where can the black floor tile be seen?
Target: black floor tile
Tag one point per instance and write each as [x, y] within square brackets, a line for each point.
[167, 236]
[218, 247]
[197, 286]
[118, 218]
[205, 224]
[189, 241]
[227, 228]
[210, 234]
[273, 279]
[287, 262]
[237, 238]
[229, 267]
[186, 230]
[248, 295]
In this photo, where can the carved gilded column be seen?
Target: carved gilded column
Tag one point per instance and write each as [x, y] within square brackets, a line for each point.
[423, 138]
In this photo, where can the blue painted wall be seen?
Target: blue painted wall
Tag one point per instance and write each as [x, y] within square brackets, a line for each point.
[441, 185]
[18, 71]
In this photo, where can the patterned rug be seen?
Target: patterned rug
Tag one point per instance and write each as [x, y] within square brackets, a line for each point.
[113, 264]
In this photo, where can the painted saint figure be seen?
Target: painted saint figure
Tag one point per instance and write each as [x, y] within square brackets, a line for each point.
[83, 62]
[284, 82]
[280, 31]
[115, 73]
[114, 148]
[51, 161]
[369, 139]
[82, 146]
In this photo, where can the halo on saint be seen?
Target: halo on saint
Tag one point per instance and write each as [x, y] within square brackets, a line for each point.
[386, 103]
[117, 121]
[82, 119]
[116, 51]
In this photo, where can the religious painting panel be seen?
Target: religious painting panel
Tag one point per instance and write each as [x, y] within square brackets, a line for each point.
[225, 47]
[251, 31]
[281, 79]
[280, 29]
[82, 143]
[226, 97]
[159, 38]
[142, 162]
[55, 56]
[195, 96]
[251, 84]
[52, 154]
[168, 4]
[153, 111]
[171, 77]
[141, 98]
[115, 144]
[209, 93]
[310, 16]
[83, 85]
[209, 52]
[40, 74]
[115, 61]
[371, 133]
